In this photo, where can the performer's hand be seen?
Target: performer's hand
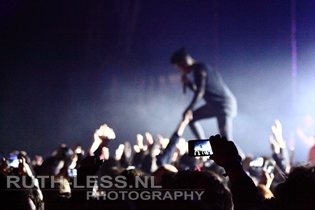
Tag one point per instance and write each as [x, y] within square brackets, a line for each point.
[188, 115]
[185, 80]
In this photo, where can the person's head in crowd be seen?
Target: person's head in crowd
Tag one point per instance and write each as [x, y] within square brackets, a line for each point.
[298, 190]
[164, 171]
[216, 195]
[65, 157]
[89, 166]
[37, 161]
[58, 163]
[131, 173]
[212, 168]
[79, 154]
[187, 163]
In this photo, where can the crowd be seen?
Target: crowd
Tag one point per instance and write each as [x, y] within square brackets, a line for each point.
[157, 173]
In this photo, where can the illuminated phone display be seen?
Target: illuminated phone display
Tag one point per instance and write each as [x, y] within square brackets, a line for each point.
[200, 148]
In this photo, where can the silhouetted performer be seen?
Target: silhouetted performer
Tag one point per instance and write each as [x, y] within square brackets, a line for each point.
[206, 84]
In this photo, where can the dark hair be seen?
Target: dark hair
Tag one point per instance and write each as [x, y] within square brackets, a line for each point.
[298, 191]
[178, 56]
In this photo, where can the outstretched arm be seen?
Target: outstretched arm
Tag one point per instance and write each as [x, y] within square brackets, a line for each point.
[278, 146]
[244, 191]
[168, 152]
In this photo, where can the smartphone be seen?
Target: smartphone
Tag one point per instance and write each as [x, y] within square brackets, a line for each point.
[199, 148]
[257, 162]
[269, 166]
[73, 173]
[14, 161]
[263, 163]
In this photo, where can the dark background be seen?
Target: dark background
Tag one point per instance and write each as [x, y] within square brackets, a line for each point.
[69, 66]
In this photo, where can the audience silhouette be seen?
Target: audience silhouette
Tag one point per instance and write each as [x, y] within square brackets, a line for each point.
[157, 175]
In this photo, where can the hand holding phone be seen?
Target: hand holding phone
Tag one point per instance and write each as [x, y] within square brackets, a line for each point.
[269, 166]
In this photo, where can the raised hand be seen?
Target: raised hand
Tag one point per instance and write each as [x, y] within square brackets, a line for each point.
[139, 145]
[104, 153]
[278, 147]
[185, 80]
[149, 139]
[119, 151]
[276, 141]
[105, 132]
[127, 149]
[267, 175]
[225, 153]
[24, 168]
[102, 136]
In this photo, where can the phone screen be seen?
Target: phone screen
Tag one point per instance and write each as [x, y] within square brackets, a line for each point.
[269, 166]
[198, 148]
[14, 161]
[72, 173]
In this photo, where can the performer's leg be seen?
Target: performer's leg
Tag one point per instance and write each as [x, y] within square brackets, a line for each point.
[226, 129]
[225, 126]
[196, 128]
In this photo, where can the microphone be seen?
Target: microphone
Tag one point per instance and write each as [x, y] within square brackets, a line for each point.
[184, 88]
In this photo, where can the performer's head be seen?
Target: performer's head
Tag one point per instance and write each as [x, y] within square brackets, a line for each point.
[182, 60]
